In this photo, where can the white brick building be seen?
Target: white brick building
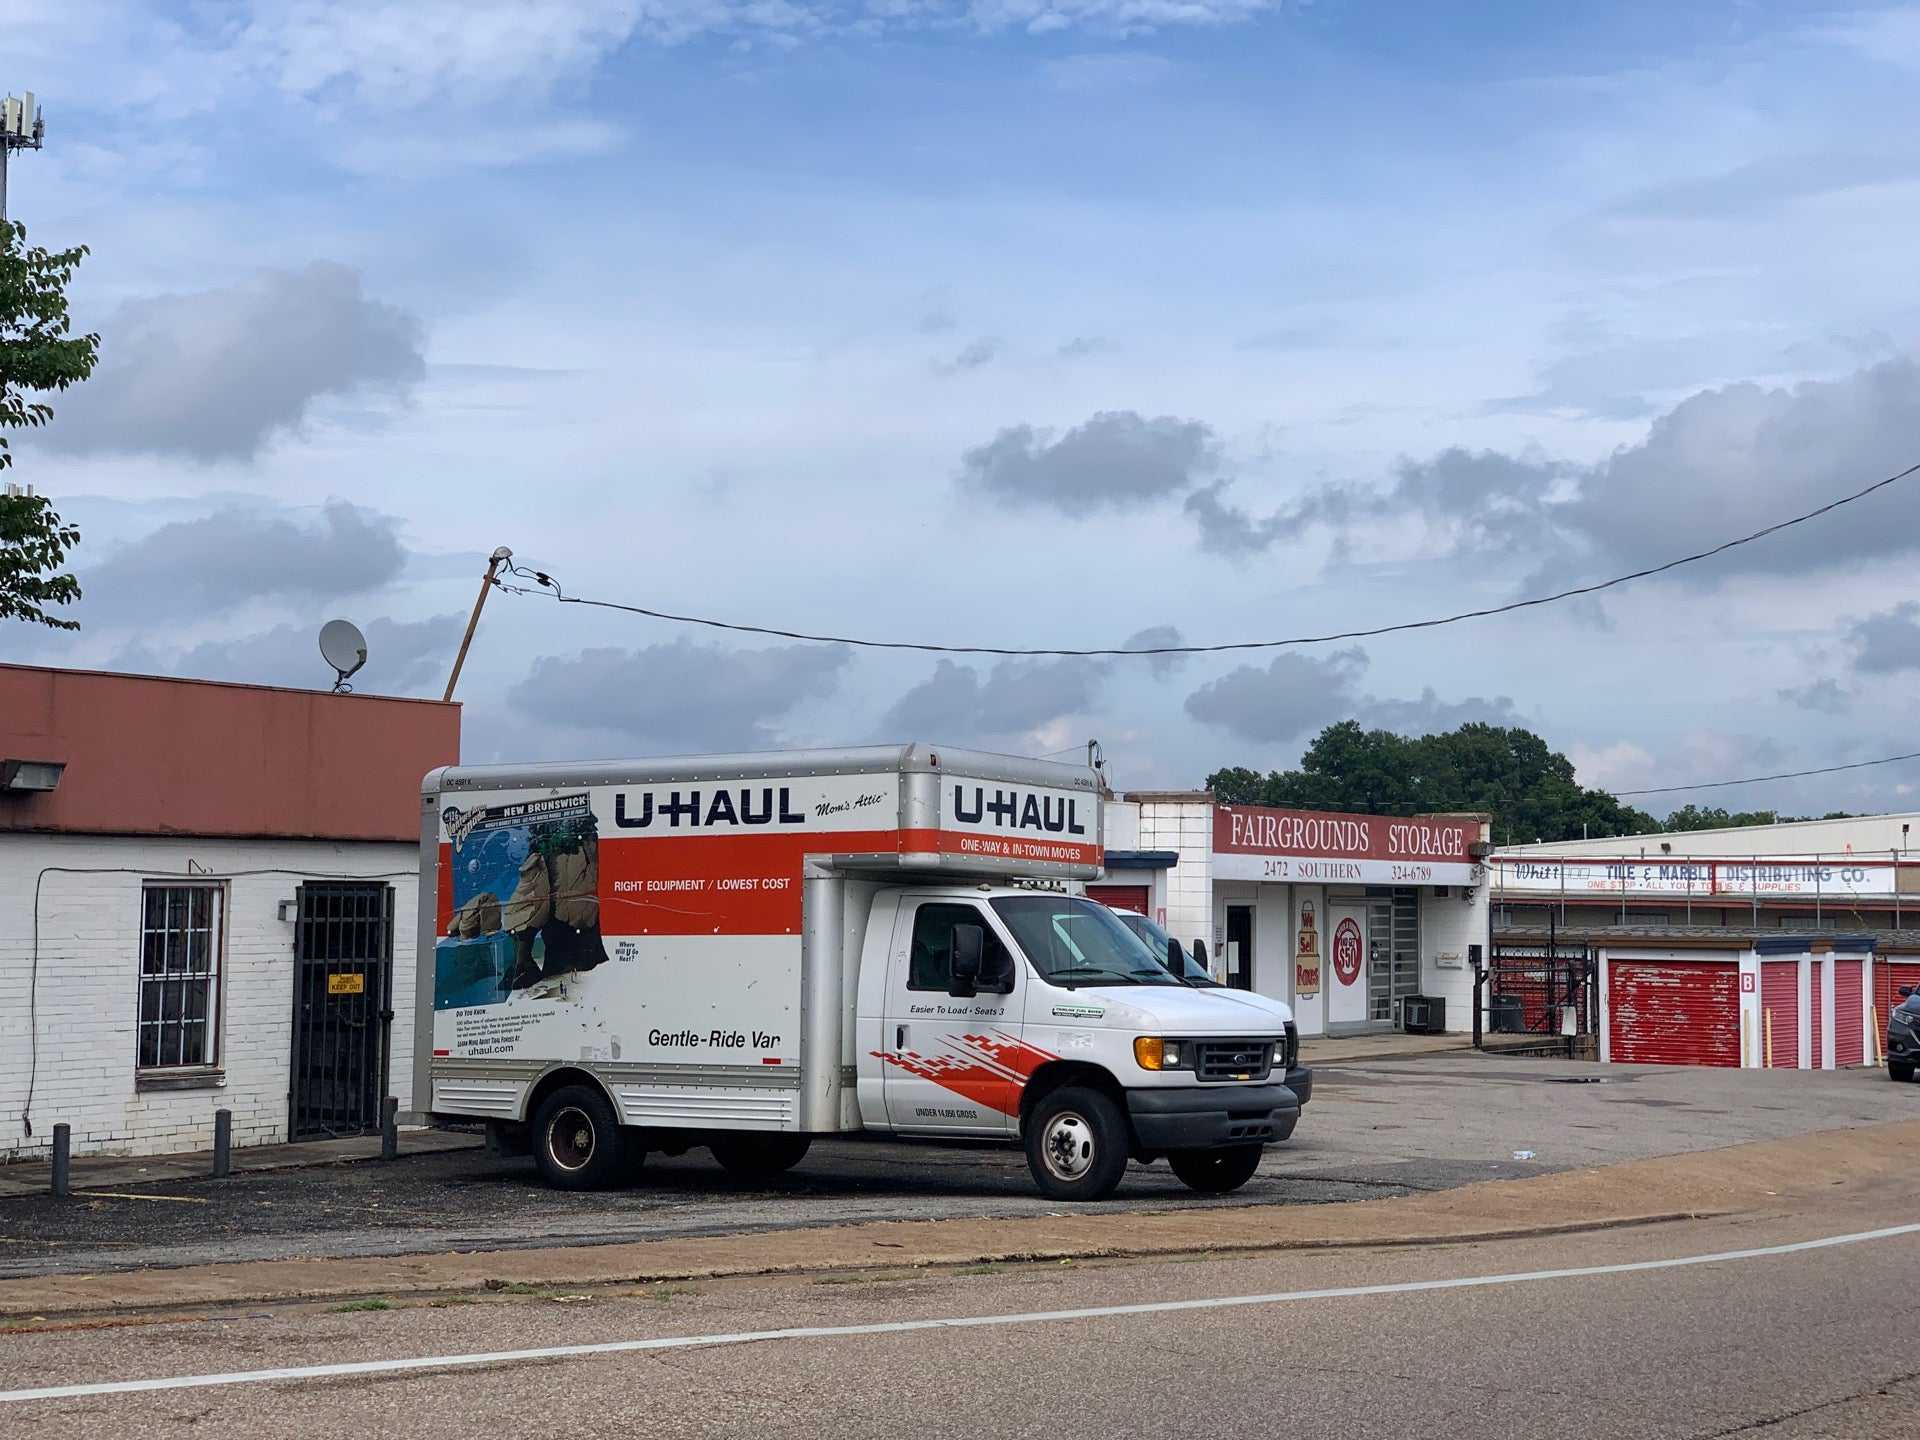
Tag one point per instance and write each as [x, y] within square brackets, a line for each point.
[1280, 896]
[244, 961]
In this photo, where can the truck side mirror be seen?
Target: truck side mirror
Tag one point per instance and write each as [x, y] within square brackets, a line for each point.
[1200, 955]
[1176, 960]
[1905, 991]
[964, 949]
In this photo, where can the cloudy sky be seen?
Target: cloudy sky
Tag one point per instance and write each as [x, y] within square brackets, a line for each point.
[1004, 322]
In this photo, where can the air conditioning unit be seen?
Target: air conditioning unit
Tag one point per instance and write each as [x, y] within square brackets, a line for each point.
[1421, 1014]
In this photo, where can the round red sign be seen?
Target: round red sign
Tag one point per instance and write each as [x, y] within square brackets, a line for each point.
[1346, 952]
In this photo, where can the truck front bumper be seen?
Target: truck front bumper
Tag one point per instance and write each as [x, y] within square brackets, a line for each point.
[1300, 1082]
[1206, 1117]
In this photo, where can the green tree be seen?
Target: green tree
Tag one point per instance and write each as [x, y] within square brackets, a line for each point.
[38, 354]
[1506, 771]
[1712, 817]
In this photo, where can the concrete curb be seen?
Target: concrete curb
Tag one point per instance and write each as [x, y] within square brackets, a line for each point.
[31, 1177]
[521, 1270]
[1764, 1176]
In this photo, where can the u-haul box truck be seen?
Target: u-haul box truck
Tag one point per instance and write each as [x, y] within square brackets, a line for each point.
[746, 951]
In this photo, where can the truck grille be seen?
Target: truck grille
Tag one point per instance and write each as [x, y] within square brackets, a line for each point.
[1233, 1059]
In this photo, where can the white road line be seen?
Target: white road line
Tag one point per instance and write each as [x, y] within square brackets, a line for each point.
[900, 1327]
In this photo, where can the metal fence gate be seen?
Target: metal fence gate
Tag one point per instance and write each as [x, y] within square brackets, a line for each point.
[1544, 990]
[342, 1007]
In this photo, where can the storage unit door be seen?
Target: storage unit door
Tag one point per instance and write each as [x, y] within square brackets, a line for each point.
[1780, 1008]
[1122, 897]
[1673, 1012]
[1888, 976]
[1849, 1000]
[1817, 1012]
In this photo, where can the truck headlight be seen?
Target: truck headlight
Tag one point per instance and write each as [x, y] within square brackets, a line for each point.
[1151, 1052]
[1898, 1020]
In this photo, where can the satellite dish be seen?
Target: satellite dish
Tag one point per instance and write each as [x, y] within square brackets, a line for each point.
[344, 648]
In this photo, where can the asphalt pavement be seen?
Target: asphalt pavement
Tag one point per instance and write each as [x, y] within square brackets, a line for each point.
[1373, 1130]
[1811, 1342]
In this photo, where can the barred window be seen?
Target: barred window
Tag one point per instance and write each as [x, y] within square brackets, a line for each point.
[179, 976]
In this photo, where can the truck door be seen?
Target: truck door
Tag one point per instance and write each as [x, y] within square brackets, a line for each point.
[946, 1059]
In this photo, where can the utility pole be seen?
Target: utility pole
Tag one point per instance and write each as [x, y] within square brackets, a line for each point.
[494, 562]
[21, 128]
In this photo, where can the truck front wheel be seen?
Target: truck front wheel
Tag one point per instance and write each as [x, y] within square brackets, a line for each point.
[1215, 1172]
[576, 1139]
[1076, 1142]
[761, 1157]
[1900, 1070]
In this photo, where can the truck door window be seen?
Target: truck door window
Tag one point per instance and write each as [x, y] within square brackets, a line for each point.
[929, 962]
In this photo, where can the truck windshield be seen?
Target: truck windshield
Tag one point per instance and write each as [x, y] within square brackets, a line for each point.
[1076, 942]
[1193, 972]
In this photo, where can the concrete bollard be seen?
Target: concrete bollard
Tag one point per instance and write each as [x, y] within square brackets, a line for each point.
[62, 1161]
[222, 1144]
[390, 1128]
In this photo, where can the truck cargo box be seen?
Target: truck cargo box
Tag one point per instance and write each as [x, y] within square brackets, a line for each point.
[648, 918]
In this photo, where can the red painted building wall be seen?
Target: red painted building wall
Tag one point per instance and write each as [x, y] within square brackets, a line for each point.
[153, 756]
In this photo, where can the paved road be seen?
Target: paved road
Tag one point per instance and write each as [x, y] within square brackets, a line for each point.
[1372, 1130]
[1812, 1343]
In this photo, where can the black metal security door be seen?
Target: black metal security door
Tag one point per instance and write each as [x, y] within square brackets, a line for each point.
[342, 1007]
[1534, 987]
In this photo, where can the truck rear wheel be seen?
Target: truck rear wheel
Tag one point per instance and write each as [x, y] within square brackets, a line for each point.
[761, 1157]
[1216, 1172]
[577, 1143]
[1076, 1142]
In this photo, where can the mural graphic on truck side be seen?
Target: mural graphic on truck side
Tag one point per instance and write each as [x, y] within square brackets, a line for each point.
[526, 901]
[989, 1069]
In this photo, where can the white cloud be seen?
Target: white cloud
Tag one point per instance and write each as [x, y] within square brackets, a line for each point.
[1621, 765]
[678, 697]
[1117, 457]
[208, 566]
[429, 153]
[1020, 698]
[403, 657]
[1296, 693]
[404, 53]
[215, 375]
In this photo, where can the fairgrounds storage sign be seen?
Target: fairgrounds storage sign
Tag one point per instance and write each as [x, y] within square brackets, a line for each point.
[1254, 842]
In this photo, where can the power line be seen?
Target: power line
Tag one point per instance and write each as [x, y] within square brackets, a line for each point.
[546, 583]
[1759, 779]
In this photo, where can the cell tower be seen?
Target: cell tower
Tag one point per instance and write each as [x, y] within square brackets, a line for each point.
[21, 128]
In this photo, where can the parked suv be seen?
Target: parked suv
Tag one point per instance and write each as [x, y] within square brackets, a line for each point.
[1903, 1035]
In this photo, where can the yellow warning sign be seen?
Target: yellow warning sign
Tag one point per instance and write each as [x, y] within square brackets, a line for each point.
[346, 984]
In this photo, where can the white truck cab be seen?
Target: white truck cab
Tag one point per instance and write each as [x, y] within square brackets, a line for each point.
[746, 951]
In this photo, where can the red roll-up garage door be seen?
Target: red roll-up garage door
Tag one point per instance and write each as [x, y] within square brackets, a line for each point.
[1849, 996]
[1890, 973]
[1780, 1006]
[1673, 1012]
[1122, 897]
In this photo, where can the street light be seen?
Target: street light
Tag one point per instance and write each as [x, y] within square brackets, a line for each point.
[21, 128]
